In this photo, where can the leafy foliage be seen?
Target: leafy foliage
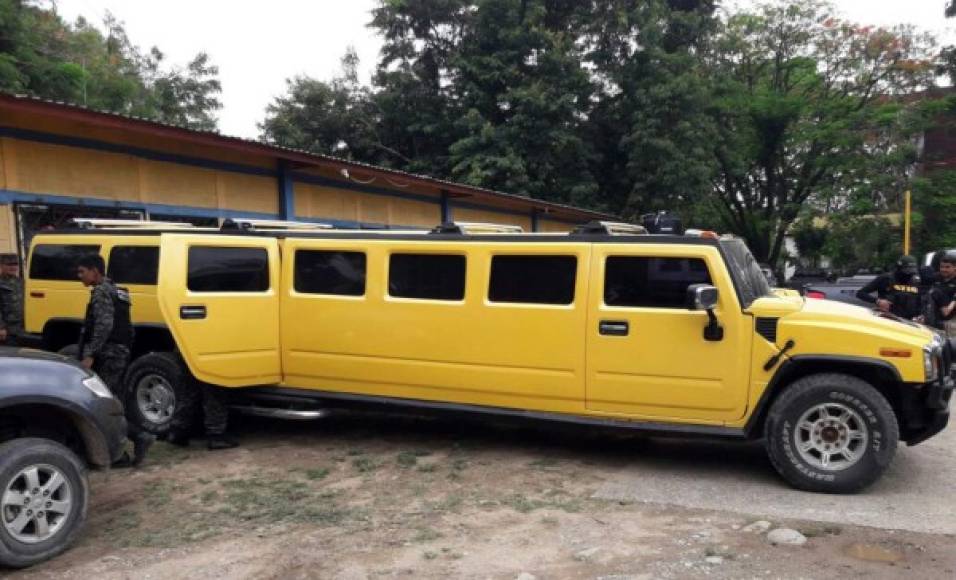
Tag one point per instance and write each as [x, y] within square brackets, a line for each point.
[44, 56]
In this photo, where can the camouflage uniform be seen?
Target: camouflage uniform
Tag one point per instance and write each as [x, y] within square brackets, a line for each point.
[11, 304]
[215, 413]
[107, 334]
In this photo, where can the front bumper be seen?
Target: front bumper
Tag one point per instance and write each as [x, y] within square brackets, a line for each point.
[926, 409]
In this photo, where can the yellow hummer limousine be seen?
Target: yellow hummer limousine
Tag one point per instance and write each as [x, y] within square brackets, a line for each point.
[606, 326]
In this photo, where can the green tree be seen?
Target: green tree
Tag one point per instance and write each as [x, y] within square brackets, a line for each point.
[811, 241]
[44, 56]
[807, 116]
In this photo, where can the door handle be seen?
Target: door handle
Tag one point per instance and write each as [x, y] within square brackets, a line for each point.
[614, 327]
[35, 294]
[192, 312]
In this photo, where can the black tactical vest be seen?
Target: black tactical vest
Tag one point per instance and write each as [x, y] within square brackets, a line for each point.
[122, 325]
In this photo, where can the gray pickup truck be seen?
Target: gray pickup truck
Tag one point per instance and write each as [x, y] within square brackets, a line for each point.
[843, 290]
[56, 419]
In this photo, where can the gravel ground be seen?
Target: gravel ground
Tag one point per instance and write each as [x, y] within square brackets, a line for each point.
[369, 496]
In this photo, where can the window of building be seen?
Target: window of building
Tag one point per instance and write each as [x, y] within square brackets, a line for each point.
[652, 282]
[330, 272]
[533, 279]
[427, 276]
[58, 262]
[214, 269]
[134, 264]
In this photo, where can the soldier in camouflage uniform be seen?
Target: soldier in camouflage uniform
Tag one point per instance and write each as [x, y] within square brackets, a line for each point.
[11, 300]
[106, 339]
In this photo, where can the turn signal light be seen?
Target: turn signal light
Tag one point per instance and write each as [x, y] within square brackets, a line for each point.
[816, 294]
[896, 352]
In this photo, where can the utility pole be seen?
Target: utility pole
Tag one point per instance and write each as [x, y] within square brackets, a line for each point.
[907, 215]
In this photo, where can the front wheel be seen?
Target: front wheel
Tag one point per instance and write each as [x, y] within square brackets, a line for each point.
[43, 500]
[831, 433]
[155, 384]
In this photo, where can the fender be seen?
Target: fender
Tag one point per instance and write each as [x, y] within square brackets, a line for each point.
[794, 367]
[95, 444]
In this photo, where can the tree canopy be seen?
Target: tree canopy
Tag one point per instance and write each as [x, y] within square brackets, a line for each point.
[747, 121]
[44, 56]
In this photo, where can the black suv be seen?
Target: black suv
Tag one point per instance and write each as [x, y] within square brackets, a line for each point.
[56, 418]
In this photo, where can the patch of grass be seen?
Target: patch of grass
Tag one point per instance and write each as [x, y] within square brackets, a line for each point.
[365, 464]
[428, 468]
[430, 555]
[274, 499]
[209, 496]
[157, 493]
[824, 530]
[406, 459]
[549, 520]
[450, 503]
[317, 473]
[522, 503]
[459, 464]
[162, 453]
[356, 452]
[545, 464]
[426, 535]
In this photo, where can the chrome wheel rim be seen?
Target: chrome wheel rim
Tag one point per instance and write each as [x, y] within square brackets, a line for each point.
[831, 437]
[155, 399]
[36, 504]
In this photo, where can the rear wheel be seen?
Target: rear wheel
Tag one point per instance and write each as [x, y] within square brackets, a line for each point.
[155, 385]
[43, 500]
[831, 433]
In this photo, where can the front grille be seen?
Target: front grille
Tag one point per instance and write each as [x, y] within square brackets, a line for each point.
[767, 328]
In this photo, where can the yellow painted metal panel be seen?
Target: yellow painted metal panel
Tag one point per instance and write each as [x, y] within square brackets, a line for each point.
[460, 214]
[545, 225]
[46, 299]
[469, 351]
[172, 184]
[55, 169]
[53, 125]
[8, 240]
[325, 202]
[248, 192]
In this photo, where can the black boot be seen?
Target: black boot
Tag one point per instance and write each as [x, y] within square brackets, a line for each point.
[177, 438]
[216, 442]
[141, 444]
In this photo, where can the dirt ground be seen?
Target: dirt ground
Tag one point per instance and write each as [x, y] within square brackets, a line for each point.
[369, 496]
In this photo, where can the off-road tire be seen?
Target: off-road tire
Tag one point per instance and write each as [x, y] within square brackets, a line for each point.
[165, 365]
[20, 454]
[871, 410]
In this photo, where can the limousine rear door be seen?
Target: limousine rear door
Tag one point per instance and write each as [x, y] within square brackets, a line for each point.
[219, 297]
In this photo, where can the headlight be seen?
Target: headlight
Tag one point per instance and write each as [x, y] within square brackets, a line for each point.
[931, 363]
[98, 387]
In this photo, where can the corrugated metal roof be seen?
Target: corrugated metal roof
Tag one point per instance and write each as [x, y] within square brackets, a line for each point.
[292, 154]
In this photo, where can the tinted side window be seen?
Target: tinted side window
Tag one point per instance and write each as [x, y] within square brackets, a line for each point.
[533, 279]
[427, 276]
[323, 272]
[228, 269]
[652, 282]
[57, 262]
[134, 264]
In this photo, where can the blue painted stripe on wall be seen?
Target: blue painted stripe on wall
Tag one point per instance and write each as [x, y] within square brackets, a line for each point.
[286, 192]
[53, 139]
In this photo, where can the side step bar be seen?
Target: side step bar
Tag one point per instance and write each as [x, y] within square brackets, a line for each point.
[274, 413]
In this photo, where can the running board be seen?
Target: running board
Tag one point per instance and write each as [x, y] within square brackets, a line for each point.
[273, 413]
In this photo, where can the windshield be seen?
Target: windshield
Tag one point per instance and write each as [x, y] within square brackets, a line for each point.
[751, 283]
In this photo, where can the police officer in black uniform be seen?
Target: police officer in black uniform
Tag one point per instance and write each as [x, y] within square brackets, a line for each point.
[941, 302]
[106, 339]
[897, 292]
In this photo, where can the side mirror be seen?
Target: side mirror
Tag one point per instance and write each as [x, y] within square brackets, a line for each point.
[705, 297]
[702, 297]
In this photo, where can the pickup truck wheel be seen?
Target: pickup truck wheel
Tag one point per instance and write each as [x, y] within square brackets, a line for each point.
[43, 500]
[831, 433]
[154, 389]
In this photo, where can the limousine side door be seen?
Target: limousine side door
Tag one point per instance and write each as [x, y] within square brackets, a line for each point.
[219, 297]
[647, 354]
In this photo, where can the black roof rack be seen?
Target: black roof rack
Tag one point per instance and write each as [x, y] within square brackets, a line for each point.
[467, 228]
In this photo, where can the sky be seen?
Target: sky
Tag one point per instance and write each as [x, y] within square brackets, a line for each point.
[258, 45]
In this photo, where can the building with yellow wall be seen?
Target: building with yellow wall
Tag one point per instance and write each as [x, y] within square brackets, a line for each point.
[61, 161]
